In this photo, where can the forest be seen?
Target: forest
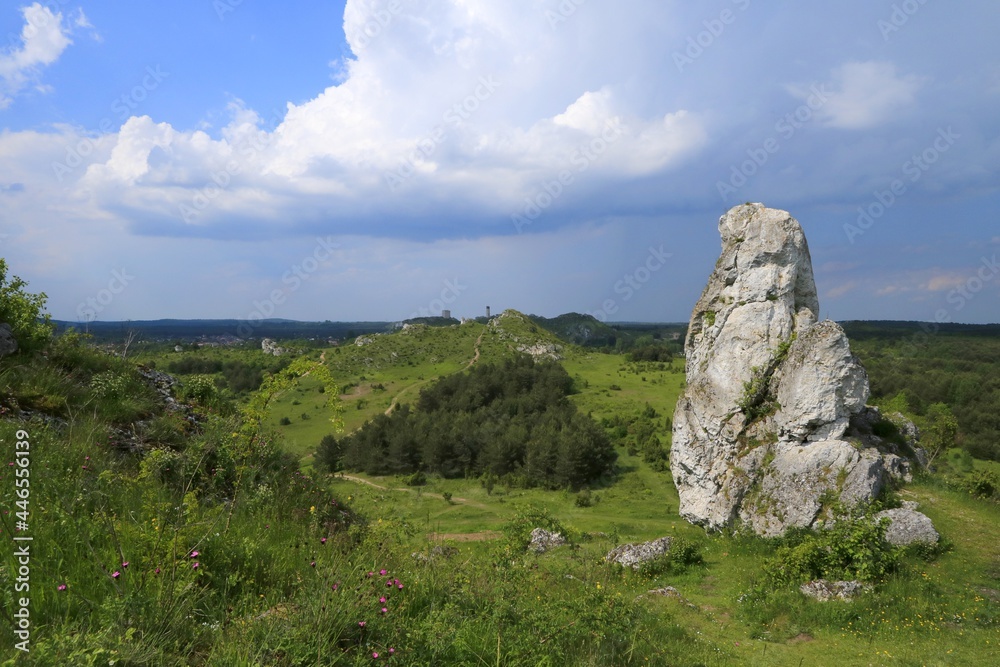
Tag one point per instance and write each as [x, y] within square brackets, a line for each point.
[917, 366]
[510, 421]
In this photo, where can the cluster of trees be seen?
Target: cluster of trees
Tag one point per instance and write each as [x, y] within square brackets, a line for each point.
[954, 370]
[239, 376]
[638, 434]
[651, 352]
[512, 422]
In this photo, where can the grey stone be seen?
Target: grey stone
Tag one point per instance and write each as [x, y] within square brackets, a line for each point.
[542, 540]
[8, 344]
[824, 590]
[634, 555]
[908, 526]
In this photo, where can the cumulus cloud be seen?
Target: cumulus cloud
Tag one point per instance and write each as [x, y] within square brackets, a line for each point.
[452, 103]
[864, 95]
[44, 37]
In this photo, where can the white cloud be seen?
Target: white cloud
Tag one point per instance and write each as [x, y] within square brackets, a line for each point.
[468, 105]
[43, 40]
[864, 95]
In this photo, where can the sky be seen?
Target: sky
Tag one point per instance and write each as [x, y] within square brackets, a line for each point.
[385, 159]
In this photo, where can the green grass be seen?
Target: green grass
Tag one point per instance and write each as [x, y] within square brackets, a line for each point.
[264, 590]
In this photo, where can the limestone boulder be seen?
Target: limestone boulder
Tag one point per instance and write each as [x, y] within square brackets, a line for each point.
[771, 429]
[908, 526]
[634, 555]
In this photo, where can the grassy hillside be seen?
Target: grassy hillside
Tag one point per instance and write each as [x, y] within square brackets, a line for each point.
[184, 531]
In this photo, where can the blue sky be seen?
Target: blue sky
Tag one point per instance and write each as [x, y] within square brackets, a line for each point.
[379, 159]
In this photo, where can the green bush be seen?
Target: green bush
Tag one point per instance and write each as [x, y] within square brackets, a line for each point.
[983, 484]
[416, 479]
[855, 548]
[23, 312]
[682, 555]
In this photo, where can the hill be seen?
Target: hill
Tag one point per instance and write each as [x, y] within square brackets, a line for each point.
[190, 330]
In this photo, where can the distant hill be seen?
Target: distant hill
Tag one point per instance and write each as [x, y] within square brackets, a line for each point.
[887, 329]
[187, 330]
[588, 331]
[579, 329]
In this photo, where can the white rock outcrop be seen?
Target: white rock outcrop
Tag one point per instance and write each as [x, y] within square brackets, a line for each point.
[542, 540]
[634, 555]
[759, 432]
[269, 346]
[824, 590]
[908, 526]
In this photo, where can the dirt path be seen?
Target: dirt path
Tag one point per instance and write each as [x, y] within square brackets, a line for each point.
[464, 537]
[395, 399]
[454, 499]
[476, 357]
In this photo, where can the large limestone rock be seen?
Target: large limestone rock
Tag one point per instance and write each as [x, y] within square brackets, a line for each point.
[759, 433]
[908, 526]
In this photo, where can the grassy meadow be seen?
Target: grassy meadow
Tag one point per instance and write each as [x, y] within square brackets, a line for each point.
[209, 538]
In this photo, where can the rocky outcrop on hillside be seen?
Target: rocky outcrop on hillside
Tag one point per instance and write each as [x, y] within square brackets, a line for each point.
[517, 332]
[271, 347]
[772, 428]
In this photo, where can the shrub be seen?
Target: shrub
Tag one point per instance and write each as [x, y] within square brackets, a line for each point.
[855, 548]
[583, 499]
[416, 479]
[682, 555]
[983, 484]
[23, 312]
[199, 388]
[109, 384]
